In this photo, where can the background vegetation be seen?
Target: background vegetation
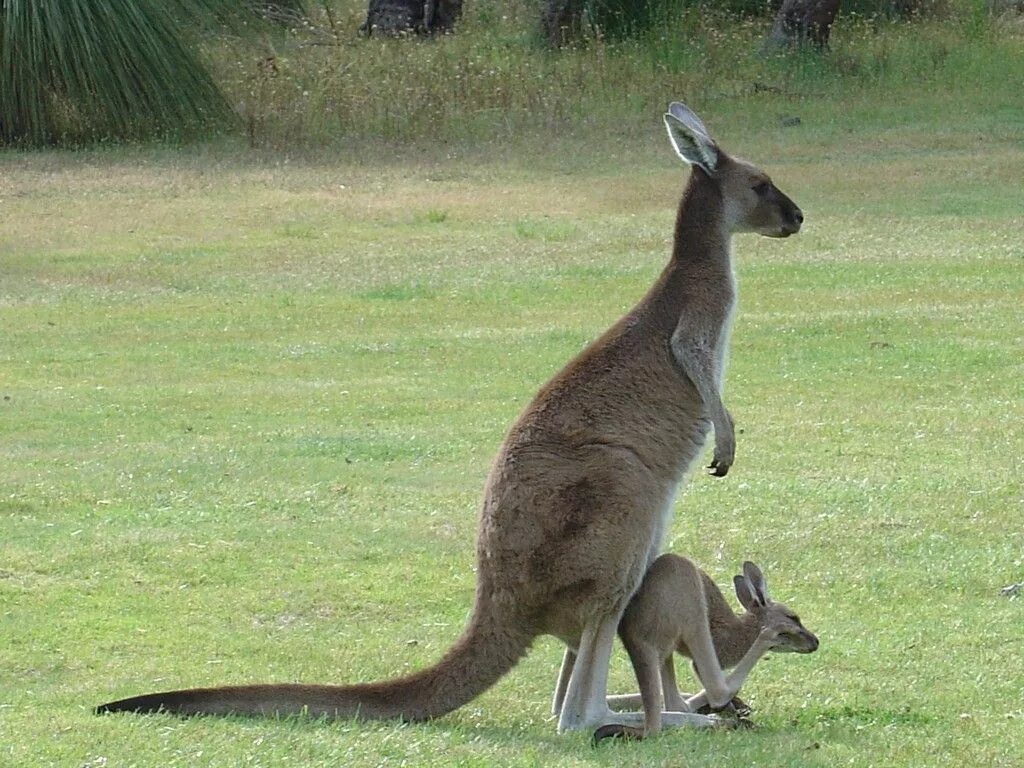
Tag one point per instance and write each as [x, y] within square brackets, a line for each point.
[74, 74]
[248, 394]
[495, 80]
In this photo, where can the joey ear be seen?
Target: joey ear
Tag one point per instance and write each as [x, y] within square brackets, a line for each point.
[743, 593]
[690, 138]
[755, 580]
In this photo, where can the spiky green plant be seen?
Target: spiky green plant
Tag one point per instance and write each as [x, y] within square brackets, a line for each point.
[82, 70]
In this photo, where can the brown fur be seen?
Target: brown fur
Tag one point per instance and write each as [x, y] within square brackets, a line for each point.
[578, 496]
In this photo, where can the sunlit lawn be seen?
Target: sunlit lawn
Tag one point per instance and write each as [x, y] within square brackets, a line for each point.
[248, 406]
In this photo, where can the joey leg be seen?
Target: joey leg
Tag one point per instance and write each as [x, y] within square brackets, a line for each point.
[716, 691]
[674, 700]
[736, 706]
[647, 668]
[719, 689]
[651, 677]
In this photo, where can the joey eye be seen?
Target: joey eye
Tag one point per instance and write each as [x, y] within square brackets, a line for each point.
[761, 188]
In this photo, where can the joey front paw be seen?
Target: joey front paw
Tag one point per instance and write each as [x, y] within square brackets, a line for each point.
[737, 707]
[732, 717]
[769, 637]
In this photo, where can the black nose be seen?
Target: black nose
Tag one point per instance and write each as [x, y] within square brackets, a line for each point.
[798, 216]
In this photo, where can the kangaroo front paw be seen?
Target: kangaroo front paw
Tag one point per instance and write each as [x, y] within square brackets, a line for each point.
[725, 454]
[722, 460]
[725, 445]
[719, 467]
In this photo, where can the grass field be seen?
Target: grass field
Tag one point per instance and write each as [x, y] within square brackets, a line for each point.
[248, 404]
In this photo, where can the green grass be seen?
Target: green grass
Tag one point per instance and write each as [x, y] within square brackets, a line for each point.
[247, 406]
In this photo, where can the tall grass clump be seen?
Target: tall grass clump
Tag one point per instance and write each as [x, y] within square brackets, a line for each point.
[76, 70]
[80, 70]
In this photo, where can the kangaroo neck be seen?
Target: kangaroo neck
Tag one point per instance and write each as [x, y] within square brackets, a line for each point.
[738, 636]
[731, 634]
[701, 232]
[701, 252]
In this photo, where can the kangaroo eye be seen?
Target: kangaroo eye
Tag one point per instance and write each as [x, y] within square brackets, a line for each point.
[762, 188]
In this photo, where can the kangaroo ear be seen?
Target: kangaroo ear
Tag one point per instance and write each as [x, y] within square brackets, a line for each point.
[755, 580]
[684, 114]
[690, 138]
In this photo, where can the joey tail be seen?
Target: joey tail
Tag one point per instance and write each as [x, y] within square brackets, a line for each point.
[488, 648]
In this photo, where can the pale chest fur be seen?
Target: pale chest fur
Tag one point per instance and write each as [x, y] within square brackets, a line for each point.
[724, 333]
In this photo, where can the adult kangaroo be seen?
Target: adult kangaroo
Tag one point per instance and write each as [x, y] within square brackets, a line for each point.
[581, 490]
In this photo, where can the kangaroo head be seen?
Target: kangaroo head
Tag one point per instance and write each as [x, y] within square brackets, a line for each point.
[793, 637]
[751, 201]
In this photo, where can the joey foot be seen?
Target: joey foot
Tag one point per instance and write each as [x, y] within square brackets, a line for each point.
[615, 731]
[736, 708]
[731, 721]
[731, 716]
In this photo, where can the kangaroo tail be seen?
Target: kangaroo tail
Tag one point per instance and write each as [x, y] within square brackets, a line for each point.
[488, 648]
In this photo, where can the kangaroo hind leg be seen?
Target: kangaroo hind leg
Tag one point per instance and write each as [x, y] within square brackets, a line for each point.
[562, 684]
[584, 705]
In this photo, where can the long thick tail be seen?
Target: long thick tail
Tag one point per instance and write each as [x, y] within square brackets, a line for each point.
[488, 648]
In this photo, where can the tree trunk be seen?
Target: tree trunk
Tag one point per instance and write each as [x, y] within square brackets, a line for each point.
[396, 17]
[561, 21]
[803, 22]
